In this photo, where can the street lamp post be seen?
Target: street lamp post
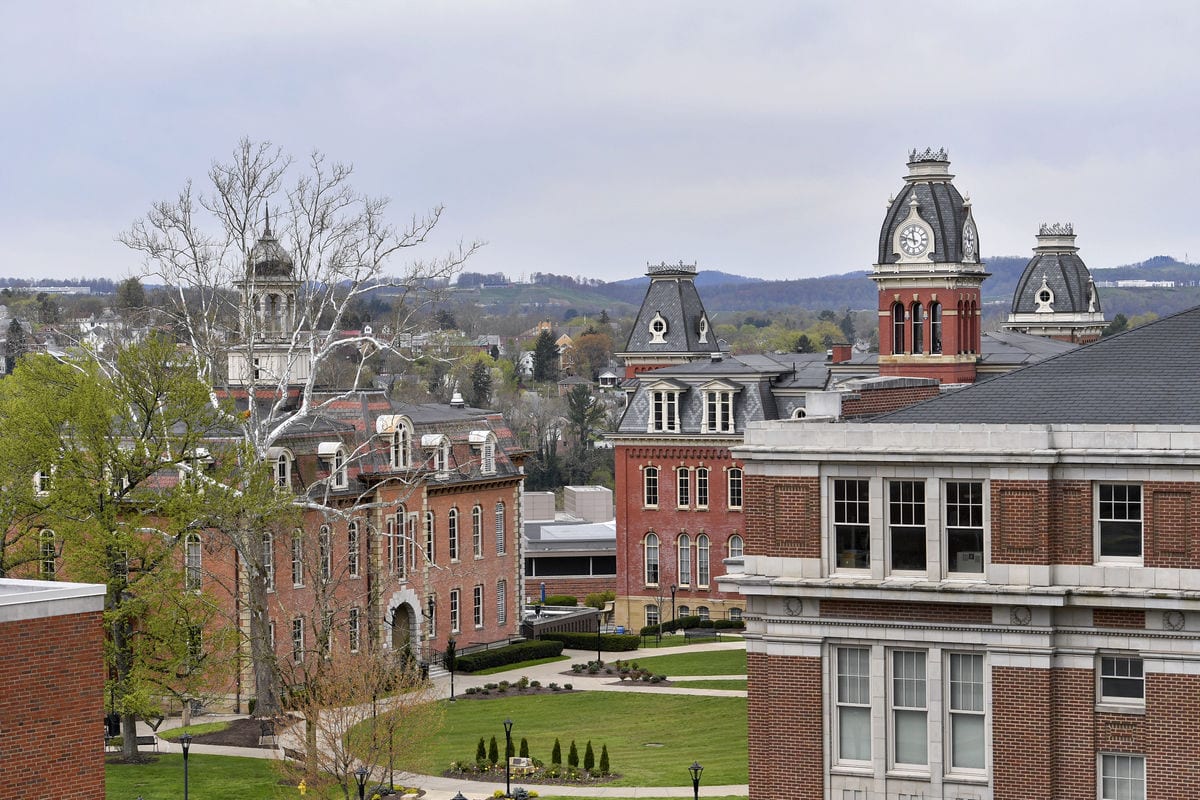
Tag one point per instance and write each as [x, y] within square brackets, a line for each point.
[451, 660]
[696, 769]
[360, 775]
[508, 723]
[674, 589]
[185, 742]
[598, 623]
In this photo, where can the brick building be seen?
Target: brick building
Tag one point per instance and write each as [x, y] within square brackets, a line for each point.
[52, 695]
[991, 595]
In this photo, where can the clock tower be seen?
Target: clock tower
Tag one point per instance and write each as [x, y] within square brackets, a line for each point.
[929, 277]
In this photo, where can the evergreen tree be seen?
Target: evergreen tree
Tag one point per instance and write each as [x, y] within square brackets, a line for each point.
[481, 385]
[556, 754]
[1118, 324]
[130, 295]
[16, 346]
[847, 326]
[493, 751]
[589, 757]
[545, 357]
[524, 747]
[604, 760]
[585, 415]
[573, 756]
[480, 752]
[508, 748]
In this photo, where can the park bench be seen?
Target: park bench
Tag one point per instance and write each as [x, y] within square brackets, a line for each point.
[113, 742]
[700, 633]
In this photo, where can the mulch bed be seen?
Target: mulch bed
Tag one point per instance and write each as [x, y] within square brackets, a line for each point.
[511, 691]
[242, 732]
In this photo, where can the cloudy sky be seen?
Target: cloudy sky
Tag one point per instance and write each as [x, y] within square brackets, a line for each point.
[758, 138]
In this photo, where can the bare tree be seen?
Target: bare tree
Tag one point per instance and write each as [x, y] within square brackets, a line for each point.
[261, 300]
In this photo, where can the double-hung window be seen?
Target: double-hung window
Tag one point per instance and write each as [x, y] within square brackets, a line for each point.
[352, 554]
[684, 565]
[702, 565]
[477, 531]
[683, 485]
[298, 558]
[854, 703]
[500, 544]
[910, 712]
[193, 556]
[325, 547]
[452, 532]
[964, 526]
[651, 559]
[718, 411]
[1119, 520]
[967, 714]
[268, 561]
[1122, 680]
[354, 628]
[430, 540]
[852, 523]
[906, 524]
[702, 487]
[298, 639]
[478, 608]
[664, 414]
[1122, 777]
[454, 610]
[735, 487]
[650, 487]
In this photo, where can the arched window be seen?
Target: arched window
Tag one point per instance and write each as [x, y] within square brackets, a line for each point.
[49, 563]
[325, 544]
[735, 487]
[897, 328]
[735, 546]
[735, 614]
[651, 614]
[702, 570]
[283, 471]
[684, 564]
[477, 531]
[683, 486]
[935, 328]
[298, 558]
[192, 563]
[684, 611]
[268, 560]
[352, 548]
[501, 602]
[452, 531]
[651, 559]
[487, 457]
[500, 545]
[429, 538]
[702, 613]
[702, 487]
[918, 322]
[650, 487]
[960, 329]
[401, 447]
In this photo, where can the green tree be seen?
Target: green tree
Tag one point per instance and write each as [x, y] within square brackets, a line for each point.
[847, 326]
[589, 757]
[131, 296]
[1119, 323]
[481, 384]
[524, 747]
[16, 345]
[573, 755]
[480, 752]
[556, 754]
[585, 415]
[493, 751]
[804, 344]
[545, 357]
[604, 760]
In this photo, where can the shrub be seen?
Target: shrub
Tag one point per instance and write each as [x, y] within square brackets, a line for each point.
[604, 760]
[589, 757]
[480, 751]
[524, 747]
[577, 668]
[522, 682]
[728, 624]
[598, 599]
[568, 686]
[573, 756]
[535, 684]
[552, 686]
[556, 754]
[493, 751]
[611, 642]
[562, 600]
[513, 653]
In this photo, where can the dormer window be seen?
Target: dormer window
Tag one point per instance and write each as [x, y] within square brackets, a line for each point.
[398, 429]
[1045, 297]
[485, 441]
[335, 454]
[664, 406]
[703, 332]
[282, 461]
[439, 444]
[658, 329]
[718, 407]
[42, 480]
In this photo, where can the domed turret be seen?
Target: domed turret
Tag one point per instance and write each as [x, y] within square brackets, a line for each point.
[928, 221]
[267, 258]
[1056, 296]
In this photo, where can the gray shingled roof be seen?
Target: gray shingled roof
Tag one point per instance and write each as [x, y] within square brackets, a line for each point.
[1067, 277]
[677, 300]
[941, 206]
[1149, 375]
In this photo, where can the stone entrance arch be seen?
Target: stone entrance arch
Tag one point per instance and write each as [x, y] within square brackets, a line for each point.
[403, 626]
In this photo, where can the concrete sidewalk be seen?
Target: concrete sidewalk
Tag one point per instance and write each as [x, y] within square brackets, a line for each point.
[439, 788]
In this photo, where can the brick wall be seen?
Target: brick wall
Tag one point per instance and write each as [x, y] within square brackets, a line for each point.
[784, 702]
[869, 402]
[52, 707]
[912, 612]
[1170, 520]
[575, 586]
[1021, 720]
[1172, 750]
[1020, 522]
[1119, 618]
[1072, 703]
[783, 516]
[1071, 535]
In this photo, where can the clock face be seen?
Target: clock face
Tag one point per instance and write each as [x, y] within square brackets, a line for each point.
[914, 240]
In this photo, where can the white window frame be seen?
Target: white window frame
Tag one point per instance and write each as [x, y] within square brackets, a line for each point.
[718, 411]
[401, 447]
[702, 488]
[193, 562]
[298, 640]
[502, 602]
[297, 558]
[650, 487]
[430, 537]
[1100, 504]
[735, 486]
[907, 514]
[899, 682]
[353, 558]
[651, 543]
[454, 612]
[477, 599]
[283, 470]
[325, 546]
[683, 559]
[477, 531]
[652, 615]
[452, 532]
[961, 708]
[664, 411]
[703, 562]
[853, 514]
[1116, 669]
[967, 518]
[501, 543]
[683, 487]
[736, 545]
[848, 698]
[268, 560]
[1109, 766]
[354, 629]
[339, 471]
[47, 552]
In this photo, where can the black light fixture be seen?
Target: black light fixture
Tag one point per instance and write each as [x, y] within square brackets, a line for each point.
[696, 769]
[674, 589]
[508, 723]
[451, 662]
[458, 796]
[185, 742]
[360, 775]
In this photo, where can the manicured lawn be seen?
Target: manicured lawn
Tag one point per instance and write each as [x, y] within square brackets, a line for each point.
[209, 778]
[706, 662]
[519, 665]
[194, 730]
[646, 734]
[731, 683]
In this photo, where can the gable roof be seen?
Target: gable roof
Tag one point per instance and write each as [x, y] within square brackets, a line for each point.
[1148, 375]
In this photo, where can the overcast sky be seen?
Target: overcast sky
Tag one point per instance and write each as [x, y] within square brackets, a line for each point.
[579, 138]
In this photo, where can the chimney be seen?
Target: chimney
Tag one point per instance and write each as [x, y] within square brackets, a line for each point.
[841, 353]
[456, 401]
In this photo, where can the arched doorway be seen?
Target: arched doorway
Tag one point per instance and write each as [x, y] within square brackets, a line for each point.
[402, 626]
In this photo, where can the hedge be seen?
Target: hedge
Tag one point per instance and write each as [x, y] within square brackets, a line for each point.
[610, 642]
[685, 623]
[511, 654]
[562, 600]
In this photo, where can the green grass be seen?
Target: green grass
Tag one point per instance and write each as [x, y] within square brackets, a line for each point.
[706, 662]
[518, 665]
[643, 732]
[722, 683]
[209, 778]
[194, 730]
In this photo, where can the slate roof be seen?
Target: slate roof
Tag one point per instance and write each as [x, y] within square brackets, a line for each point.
[672, 293]
[1148, 375]
[942, 207]
[1067, 277]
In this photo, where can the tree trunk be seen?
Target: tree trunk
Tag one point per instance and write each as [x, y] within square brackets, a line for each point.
[122, 663]
[312, 720]
[262, 658]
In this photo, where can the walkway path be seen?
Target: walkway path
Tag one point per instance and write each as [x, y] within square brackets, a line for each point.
[439, 788]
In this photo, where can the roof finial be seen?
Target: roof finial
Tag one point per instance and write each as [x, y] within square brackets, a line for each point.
[267, 229]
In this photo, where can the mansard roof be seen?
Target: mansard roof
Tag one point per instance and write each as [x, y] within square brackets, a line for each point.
[672, 296]
[1148, 375]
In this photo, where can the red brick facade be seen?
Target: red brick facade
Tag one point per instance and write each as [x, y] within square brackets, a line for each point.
[780, 518]
[785, 742]
[52, 707]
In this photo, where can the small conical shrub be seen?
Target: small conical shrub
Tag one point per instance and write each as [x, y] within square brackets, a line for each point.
[493, 751]
[480, 752]
[604, 760]
[508, 748]
[589, 757]
[556, 754]
[524, 747]
[573, 756]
